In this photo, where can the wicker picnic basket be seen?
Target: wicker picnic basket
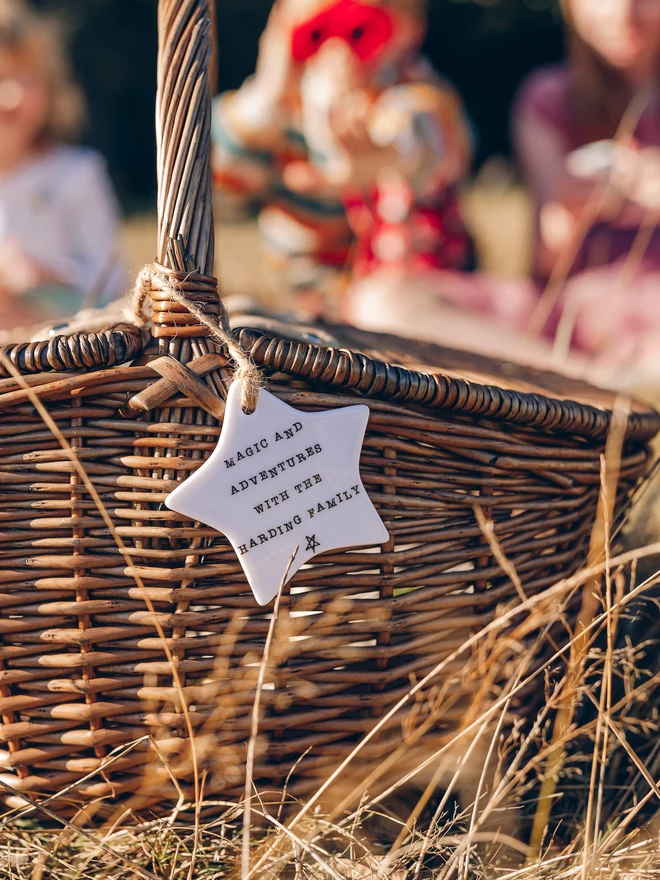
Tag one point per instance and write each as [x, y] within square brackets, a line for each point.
[121, 638]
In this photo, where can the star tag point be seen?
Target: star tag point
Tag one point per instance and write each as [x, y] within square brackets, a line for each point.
[282, 481]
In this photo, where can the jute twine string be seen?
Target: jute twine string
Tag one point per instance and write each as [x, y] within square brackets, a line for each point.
[246, 371]
[141, 296]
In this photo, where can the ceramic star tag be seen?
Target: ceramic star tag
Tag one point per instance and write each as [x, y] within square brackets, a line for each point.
[281, 479]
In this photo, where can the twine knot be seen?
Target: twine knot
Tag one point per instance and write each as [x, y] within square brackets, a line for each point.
[198, 297]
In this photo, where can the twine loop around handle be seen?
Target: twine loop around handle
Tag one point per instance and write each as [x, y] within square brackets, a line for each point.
[187, 304]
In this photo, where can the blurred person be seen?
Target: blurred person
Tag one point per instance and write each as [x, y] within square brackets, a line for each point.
[58, 213]
[587, 134]
[350, 144]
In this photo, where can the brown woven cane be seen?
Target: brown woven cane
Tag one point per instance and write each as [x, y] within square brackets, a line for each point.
[127, 629]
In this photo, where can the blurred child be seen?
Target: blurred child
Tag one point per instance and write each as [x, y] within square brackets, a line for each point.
[350, 143]
[565, 124]
[58, 213]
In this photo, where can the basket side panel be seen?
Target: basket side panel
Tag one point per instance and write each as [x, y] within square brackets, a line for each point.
[92, 660]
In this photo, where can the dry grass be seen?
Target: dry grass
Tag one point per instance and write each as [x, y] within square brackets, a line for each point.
[607, 836]
[164, 850]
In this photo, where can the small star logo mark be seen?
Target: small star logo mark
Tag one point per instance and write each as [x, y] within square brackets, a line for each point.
[274, 476]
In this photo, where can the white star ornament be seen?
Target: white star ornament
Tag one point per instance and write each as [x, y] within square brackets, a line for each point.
[281, 479]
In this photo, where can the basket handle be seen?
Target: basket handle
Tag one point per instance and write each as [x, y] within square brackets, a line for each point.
[186, 236]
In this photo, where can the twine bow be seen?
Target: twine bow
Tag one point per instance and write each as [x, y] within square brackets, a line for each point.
[153, 277]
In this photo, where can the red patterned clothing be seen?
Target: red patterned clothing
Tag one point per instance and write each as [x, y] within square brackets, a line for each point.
[392, 229]
[407, 220]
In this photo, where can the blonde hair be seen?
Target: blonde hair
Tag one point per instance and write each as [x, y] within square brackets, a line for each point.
[37, 43]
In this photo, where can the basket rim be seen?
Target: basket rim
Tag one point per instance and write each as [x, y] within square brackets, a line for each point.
[351, 369]
[439, 390]
[83, 350]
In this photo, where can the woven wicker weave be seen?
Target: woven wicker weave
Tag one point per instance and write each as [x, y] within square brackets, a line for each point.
[90, 660]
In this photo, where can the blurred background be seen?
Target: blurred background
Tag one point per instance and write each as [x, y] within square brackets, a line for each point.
[485, 47]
